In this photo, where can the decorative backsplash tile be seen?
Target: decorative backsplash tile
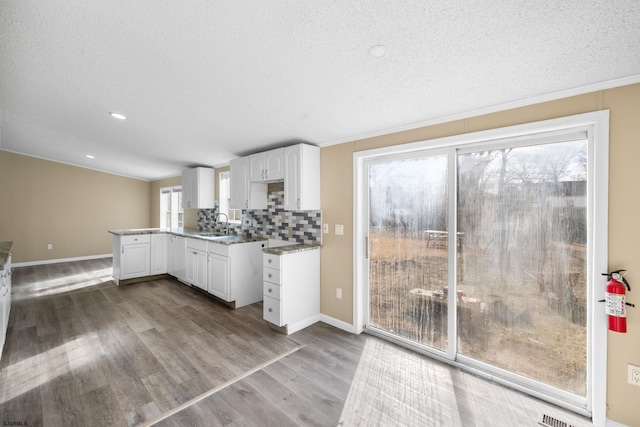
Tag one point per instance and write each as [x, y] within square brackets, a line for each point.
[272, 223]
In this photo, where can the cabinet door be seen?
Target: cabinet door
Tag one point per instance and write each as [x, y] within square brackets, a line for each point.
[302, 177]
[159, 256]
[201, 270]
[292, 178]
[239, 175]
[5, 300]
[257, 167]
[177, 261]
[135, 261]
[274, 164]
[219, 276]
[190, 265]
[170, 250]
[197, 268]
[187, 188]
[204, 188]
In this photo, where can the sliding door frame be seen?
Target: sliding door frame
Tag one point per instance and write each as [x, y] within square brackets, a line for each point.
[596, 125]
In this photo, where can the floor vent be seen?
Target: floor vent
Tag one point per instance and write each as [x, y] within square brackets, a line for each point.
[549, 421]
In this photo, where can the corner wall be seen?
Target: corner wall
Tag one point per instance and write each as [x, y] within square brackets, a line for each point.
[70, 207]
[624, 211]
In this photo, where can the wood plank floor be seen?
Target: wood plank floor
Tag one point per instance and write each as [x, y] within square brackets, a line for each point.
[81, 351]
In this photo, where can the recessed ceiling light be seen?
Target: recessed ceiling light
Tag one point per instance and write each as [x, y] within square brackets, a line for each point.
[378, 51]
[89, 156]
[118, 116]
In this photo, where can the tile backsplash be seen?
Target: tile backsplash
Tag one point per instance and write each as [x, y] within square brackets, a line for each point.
[272, 223]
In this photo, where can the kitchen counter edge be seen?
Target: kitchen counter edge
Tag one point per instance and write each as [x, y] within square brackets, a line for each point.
[184, 233]
[291, 249]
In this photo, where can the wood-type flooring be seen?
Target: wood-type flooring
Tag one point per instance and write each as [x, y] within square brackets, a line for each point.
[81, 351]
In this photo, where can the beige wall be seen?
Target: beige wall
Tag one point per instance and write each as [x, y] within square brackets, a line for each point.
[70, 207]
[624, 211]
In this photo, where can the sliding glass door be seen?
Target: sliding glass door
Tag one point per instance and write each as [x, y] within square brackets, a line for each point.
[521, 214]
[479, 254]
[408, 247]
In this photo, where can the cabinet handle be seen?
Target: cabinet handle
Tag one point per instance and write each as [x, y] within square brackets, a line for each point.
[270, 261]
[270, 275]
[270, 310]
[298, 202]
[270, 290]
[123, 249]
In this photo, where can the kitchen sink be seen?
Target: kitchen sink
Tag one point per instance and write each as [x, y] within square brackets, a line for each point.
[210, 235]
[228, 239]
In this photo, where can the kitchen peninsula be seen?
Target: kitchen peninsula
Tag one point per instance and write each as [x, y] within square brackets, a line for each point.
[228, 267]
[235, 269]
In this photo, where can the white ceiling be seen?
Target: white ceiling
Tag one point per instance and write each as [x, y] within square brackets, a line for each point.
[202, 82]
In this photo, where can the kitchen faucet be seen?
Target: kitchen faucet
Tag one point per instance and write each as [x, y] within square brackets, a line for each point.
[226, 216]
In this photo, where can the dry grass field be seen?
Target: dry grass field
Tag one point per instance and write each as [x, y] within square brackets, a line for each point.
[519, 319]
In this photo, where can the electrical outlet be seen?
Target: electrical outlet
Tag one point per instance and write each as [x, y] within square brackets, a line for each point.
[339, 293]
[325, 228]
[246, 222]
[339, 229]
[634, 375]
[50, 246]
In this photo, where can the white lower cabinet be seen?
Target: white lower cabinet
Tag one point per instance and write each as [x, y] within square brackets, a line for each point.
[159, 254]
[131, 256]
[196, 263]
[5, 301]
[231, 272]
[291, 289]
[235, 272]
[219, 276]
[176, 260]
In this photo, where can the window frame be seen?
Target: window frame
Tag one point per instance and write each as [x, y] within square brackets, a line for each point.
[180, 211]
[234, 215]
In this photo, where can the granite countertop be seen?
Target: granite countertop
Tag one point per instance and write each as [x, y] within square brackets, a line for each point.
[215, 237]
[5, 251]
[290, 249]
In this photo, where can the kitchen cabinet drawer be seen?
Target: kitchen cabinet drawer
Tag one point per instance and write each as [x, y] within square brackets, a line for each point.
[272, 311]
[200, 245]
[135, 239]
[271, 261]
[271, 290]
[219, 249]
[271, 275]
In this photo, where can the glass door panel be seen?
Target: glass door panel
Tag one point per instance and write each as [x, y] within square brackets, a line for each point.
[408, 249]
[522, 282]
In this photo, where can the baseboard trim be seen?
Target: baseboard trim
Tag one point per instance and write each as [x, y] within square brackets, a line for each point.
[56, 261]
[338, 323]
[615, 424]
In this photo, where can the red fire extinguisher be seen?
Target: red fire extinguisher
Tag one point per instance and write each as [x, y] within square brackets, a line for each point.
[615, 304]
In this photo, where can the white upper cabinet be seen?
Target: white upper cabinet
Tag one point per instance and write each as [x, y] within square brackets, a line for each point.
[239, 174]
[301, 177]
[198, 187]
[267, 166]
[298, 166]
[244, 193]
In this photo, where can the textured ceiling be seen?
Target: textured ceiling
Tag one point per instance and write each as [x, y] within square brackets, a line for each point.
[202, 82]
